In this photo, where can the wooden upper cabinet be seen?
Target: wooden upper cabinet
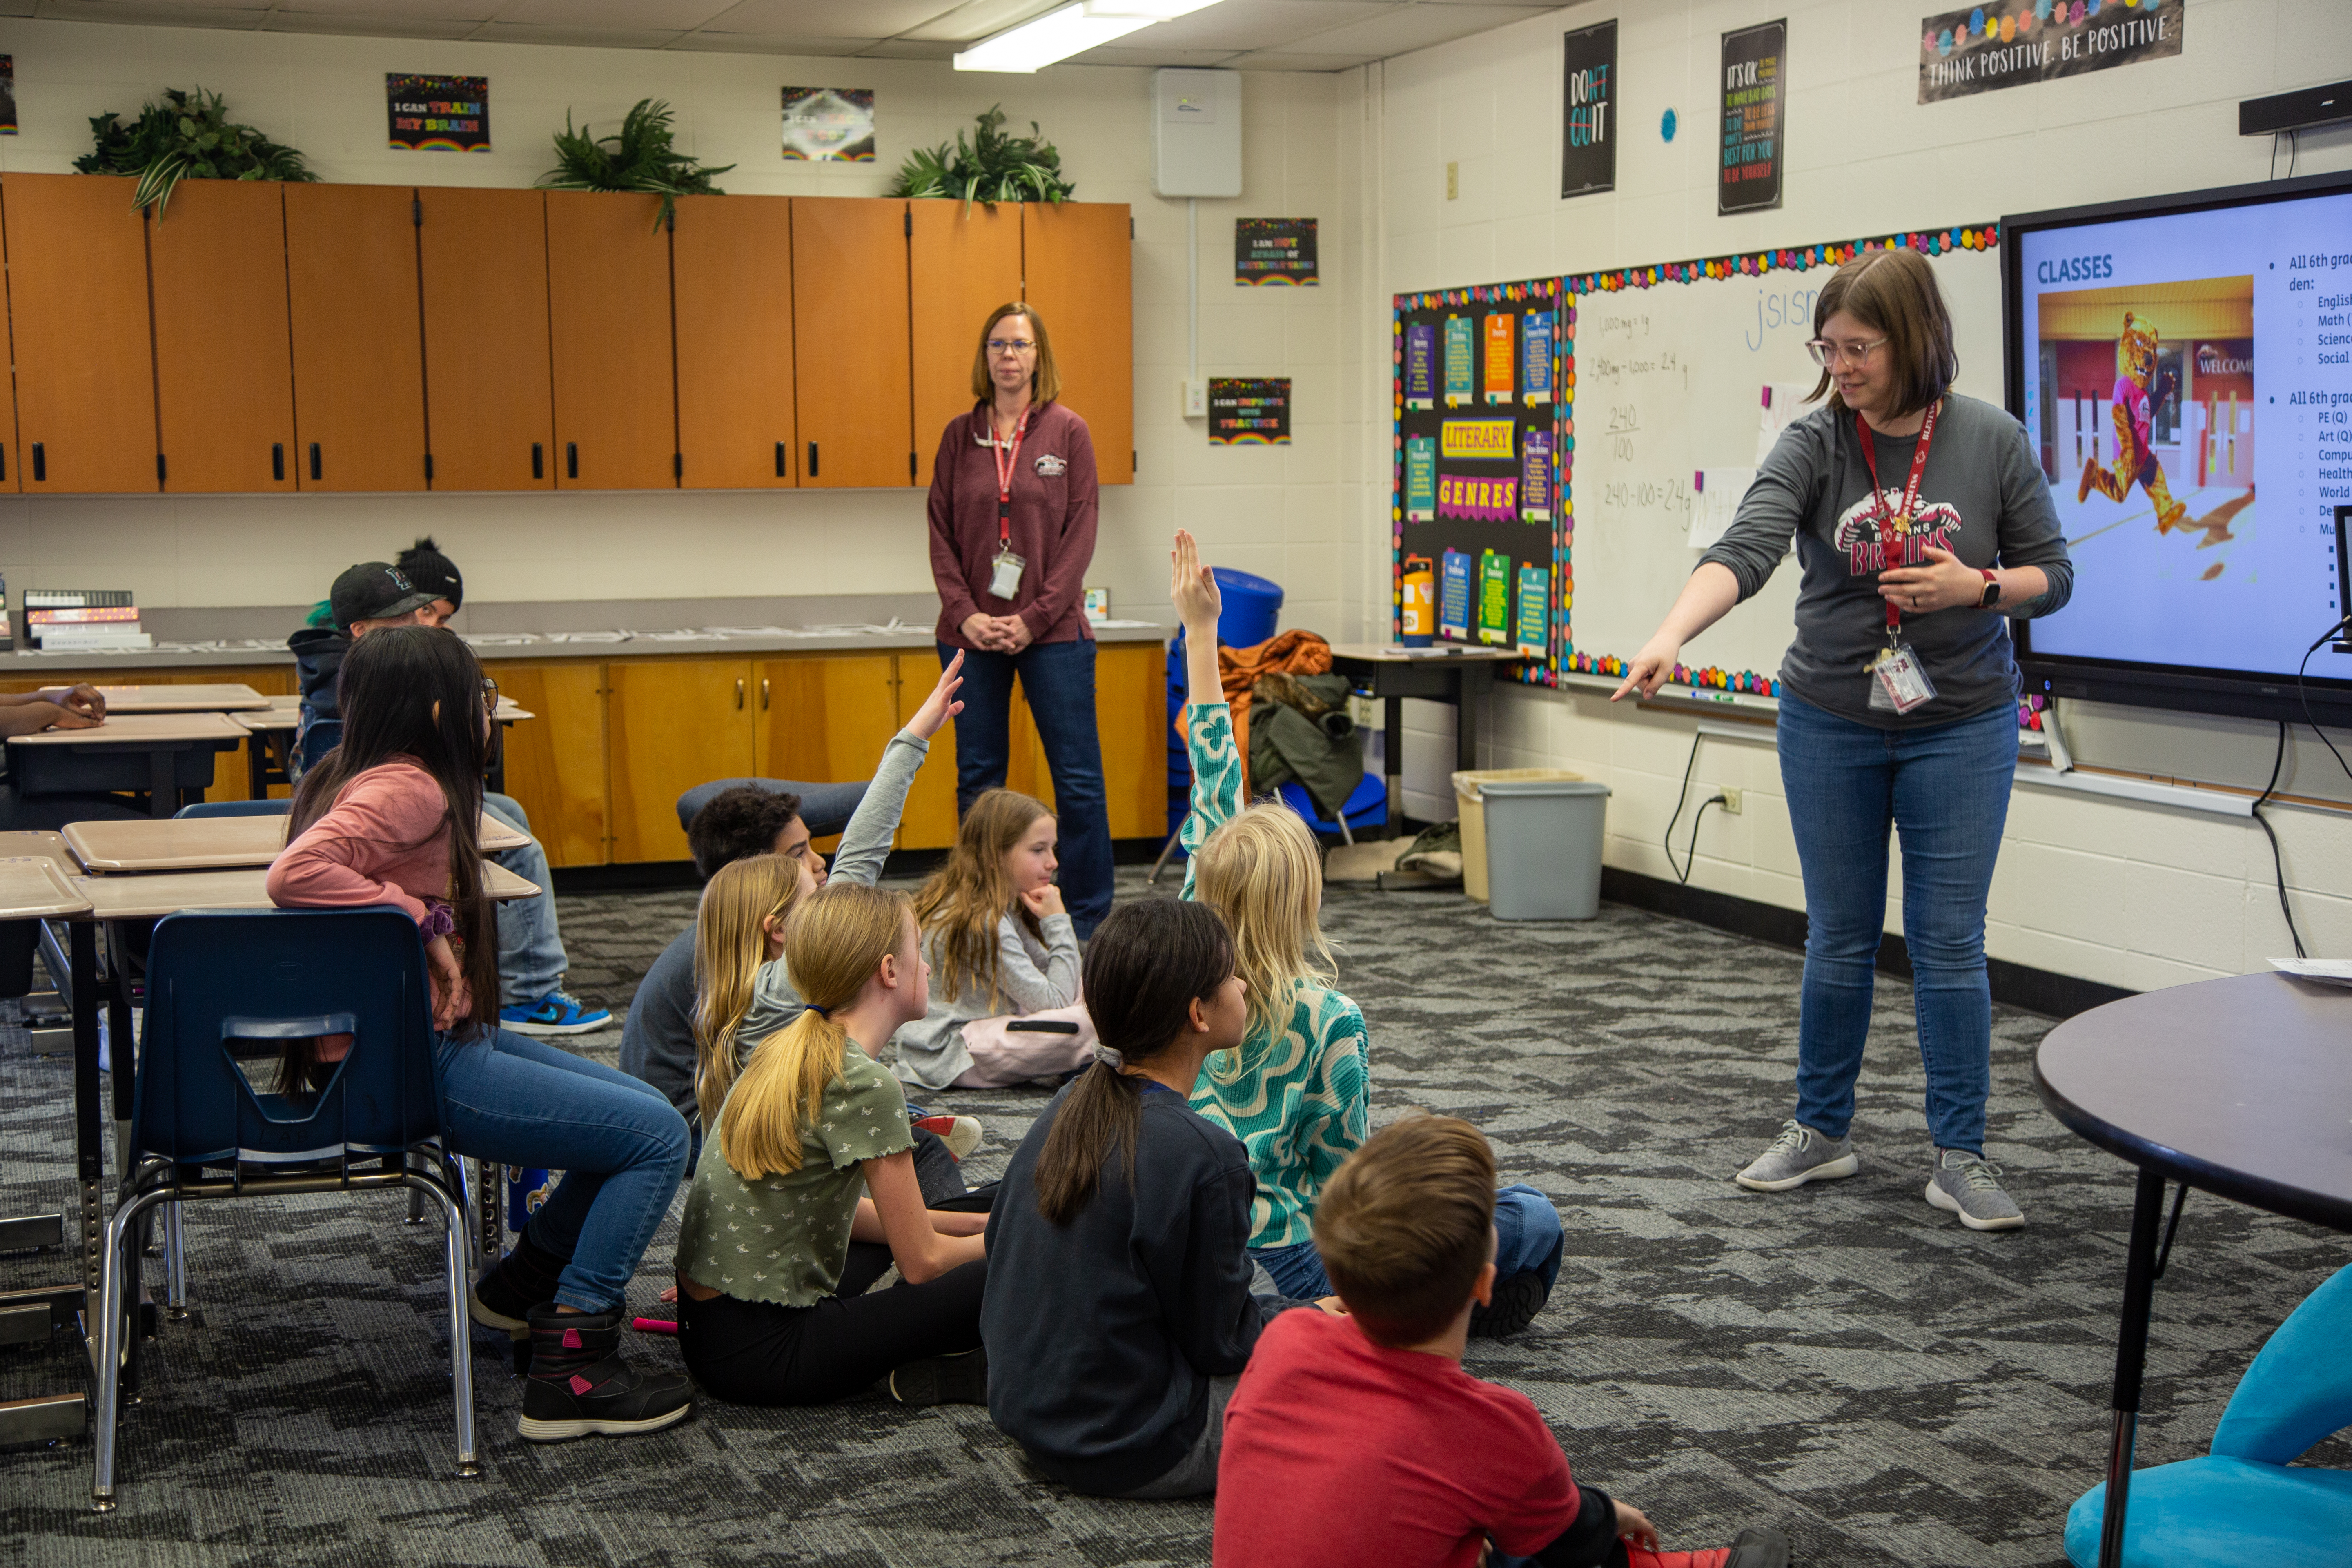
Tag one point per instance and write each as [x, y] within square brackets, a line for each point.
[224, 363]
[733, 258]
[608, 315]
[490, 407]
[849, 341]
[970, 264]
[359, 352]
[77, 309]
[1078, 259]
[12, 476]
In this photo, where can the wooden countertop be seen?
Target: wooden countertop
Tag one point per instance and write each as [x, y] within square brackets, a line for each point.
[210, 843]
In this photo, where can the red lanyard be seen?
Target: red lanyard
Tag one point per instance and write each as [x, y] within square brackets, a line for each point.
[1891, 525]
[1008, 459]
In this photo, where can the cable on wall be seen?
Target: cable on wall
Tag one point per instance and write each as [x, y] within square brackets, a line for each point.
[1690, 856]
[2277, 864]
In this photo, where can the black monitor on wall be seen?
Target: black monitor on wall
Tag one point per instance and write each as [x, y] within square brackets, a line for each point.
[2183, 367]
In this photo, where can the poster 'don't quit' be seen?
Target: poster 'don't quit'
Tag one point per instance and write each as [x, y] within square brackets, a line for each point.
[1755, 67]
[438, 113]
[1588, 151]
[1249, 413]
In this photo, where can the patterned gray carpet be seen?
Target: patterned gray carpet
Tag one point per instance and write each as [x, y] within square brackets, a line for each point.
[1842, 1361]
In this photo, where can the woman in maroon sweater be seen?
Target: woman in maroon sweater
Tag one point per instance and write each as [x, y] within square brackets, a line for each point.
[1012, 529]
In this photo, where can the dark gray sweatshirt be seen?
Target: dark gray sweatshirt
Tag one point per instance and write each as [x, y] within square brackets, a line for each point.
[1983, 498]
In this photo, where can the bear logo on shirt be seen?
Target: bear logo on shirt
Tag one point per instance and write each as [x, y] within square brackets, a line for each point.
[1858, 531]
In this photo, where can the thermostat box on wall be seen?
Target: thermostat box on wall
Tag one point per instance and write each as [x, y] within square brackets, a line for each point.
[1196, 133]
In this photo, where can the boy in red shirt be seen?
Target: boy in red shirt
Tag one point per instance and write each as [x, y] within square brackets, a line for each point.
[1360, 1439]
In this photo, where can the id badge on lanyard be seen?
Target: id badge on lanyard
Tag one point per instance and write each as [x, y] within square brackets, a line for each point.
[1898, 682]
[1004, 577]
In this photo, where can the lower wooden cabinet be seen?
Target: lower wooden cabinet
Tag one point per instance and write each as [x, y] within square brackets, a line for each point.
[674, 724]
[555, 761]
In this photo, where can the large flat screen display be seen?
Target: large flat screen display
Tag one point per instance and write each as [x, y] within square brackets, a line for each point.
[2184, 368]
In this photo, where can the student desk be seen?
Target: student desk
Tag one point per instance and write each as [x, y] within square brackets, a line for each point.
[163, 753]
[116, 896]
[212, 843]
[1448, 672]
[274, 726]
[227, 698]
[2238, 1086]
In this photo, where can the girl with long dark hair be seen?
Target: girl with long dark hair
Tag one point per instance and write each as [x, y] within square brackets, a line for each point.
[1119, 1313]
[392, 816]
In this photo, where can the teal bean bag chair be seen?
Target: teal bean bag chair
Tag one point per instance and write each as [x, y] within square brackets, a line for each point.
[2241, 1505]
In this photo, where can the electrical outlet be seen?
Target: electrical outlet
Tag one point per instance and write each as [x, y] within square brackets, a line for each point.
[1730, 801]
[1452, 181]
[1369, 712]
[1194, 395]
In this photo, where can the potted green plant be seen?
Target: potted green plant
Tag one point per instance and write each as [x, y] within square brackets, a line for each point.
[188, 136]
[991, 167]
[640, 158]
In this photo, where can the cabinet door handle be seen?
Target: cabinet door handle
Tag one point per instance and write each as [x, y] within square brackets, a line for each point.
[763, 694]
[538, 461]
[40, 462]
[278, 461]
[739, 694]
[812, 467]
[571, 459]
[780, 462]
[314, 461]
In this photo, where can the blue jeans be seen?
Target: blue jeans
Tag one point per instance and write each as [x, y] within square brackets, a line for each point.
[622, 1148]
[530, 949]
[1058, 679]
[1528, 1240]
[1945, 790]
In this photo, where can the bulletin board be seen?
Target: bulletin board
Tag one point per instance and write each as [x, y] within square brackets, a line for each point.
[1476, 461]
[1660, 371]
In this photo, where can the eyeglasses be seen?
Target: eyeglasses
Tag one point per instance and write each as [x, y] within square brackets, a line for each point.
[1011, 345]
[489, 695]
[1826, 352]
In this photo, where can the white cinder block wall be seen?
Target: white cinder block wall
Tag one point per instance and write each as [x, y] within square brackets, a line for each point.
[1277, 511]
[2138, 896]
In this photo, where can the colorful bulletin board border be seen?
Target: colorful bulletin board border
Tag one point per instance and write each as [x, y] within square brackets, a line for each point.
[1565, 657]
[1541, 292]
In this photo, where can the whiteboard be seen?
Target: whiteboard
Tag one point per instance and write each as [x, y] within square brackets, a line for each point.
[1669, 381]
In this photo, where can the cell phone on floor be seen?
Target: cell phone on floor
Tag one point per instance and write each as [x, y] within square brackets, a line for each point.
[1041, 1027]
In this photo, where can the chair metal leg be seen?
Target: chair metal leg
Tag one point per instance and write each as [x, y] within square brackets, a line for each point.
[1165, 850]
[109, 1347]
[458, 1245]
[175, 1265]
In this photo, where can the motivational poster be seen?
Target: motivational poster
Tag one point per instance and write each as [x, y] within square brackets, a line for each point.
[1987, 47]
[1488, 439]
[438, 113]
[1494, 596]
[1535, 358]
[1502, 332]
[1534, 618]
[1419, 478]
[1478, 500]
[1420, 364]
[1535, 478]
[1755, 62]
[1457, 361]
[1453, 594]
[829, 124]
[1274, 250]
[1588, 152]
[8, 95]
[1249, 413]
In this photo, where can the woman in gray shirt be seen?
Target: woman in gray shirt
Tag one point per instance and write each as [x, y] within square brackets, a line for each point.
[1921, 521]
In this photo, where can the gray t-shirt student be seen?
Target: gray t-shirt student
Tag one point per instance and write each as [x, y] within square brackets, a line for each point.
[1982, 497]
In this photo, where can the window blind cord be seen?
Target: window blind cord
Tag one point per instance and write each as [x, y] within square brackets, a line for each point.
[2277, 864]
[1690, 858]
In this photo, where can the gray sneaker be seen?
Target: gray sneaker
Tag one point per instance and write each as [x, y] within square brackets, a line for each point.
[1968, 1186]
[1799, 1155]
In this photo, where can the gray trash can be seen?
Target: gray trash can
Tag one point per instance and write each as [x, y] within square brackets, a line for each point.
[1543, 848]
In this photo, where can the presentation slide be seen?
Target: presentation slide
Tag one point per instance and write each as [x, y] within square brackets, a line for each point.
[2189, 381]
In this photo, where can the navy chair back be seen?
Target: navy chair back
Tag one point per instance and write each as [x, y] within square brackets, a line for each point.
[236, 808]
[322, 736]
[226, 991]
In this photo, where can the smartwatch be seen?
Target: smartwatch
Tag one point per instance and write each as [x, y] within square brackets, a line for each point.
[1991, 589]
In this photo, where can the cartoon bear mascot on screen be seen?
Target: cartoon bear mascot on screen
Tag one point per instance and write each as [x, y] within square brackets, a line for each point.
[2139, 391]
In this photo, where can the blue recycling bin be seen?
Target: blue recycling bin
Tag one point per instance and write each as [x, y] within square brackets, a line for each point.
[1253, 607]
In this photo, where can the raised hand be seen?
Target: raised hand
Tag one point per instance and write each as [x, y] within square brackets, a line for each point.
[1192, 587]
[942, 705]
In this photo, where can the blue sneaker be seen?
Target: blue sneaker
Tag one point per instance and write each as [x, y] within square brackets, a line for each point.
[554, 1013]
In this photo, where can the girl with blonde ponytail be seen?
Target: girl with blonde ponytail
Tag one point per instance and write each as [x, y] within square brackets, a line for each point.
[811, 1152]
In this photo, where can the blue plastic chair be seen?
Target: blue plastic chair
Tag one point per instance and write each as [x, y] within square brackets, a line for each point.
[323, 736]
[201, 1129]
[1367, 805]
[236, 808]
[2247, 1500]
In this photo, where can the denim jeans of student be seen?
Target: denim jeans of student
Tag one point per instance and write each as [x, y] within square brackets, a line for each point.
[1945, 790]
[530, 949]
[1528, 1240]
[520, 1102]
[1058, 681]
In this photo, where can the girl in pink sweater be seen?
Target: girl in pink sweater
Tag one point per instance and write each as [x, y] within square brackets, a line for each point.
[392, 816]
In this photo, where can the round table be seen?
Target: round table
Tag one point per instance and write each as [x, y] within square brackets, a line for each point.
[2241, 1087]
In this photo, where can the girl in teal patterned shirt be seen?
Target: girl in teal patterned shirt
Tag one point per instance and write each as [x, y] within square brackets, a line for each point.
[1296, 1090]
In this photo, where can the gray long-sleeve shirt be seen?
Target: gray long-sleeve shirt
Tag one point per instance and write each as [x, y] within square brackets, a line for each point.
[1982, 497]
[658, 1041]
[1031, 976]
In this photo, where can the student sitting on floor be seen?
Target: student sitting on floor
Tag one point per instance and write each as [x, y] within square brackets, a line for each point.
[531, 961]
[1004, 951]
[1118, 1309]
[390, 816]
[811, 1151]
[1359, 1438]
[1293, 1092]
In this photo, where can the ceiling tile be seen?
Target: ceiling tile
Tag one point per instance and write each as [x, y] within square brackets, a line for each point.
[711, 43]
[976, 19]
[1402, 29]
[583, 37]
[363, 26]
[621, 15]
[1238, 25]
[868, 19]
[911, 49]
[392, 13]
[1268, 62]
[1125, 55]
[141, 13]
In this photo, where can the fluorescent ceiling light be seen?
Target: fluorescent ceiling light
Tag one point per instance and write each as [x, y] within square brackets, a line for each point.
[1071, 30]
